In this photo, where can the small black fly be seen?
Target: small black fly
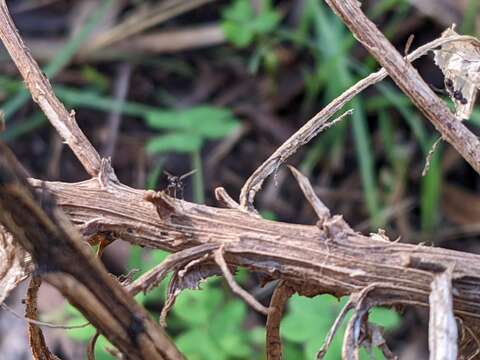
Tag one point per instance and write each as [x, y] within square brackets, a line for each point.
[457, 94]
[175, 183]
[449, 84]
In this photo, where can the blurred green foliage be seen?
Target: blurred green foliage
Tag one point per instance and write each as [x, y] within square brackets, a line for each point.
[308, 321]
[189, 128]
[186, 132]
[243, 25]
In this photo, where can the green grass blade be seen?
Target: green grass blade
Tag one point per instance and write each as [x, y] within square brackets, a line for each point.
[31, 123]
[330, 31]
[198, 185]
[430, 189]
[61, 59]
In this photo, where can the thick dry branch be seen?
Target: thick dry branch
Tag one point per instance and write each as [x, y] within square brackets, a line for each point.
[313, 260]
[409, 80]
[43, 95]
[65, 262]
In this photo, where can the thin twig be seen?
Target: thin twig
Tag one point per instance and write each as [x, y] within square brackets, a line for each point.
[333, 329]
[428, 159]
[363, 302]
[409, 80]
[315, 124]
[280, 296]
[91, 346]
[174, 261]
[321, 210]
[408, 45]
[38, 345]
[249, 299]
[42, 93]
[477, 342]
[42, 323]
[224, 199]
[308, 131]
[352, 334]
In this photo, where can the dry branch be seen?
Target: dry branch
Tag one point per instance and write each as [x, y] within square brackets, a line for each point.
[249, 299]
[327, 258]
[280, 296]
[38, 346]
[409, 80]
[318, 123]
[43, 95]
[62, 259]
[314, 260]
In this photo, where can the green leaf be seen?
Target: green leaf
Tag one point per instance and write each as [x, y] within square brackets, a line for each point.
[196, 346]
[257, 335]
[387, 318]
[229, 319]
[268, 215]
[239, 11]
[167, 120]
[316, 307]
[175, 142]
[80, 334]
[135, 259]
[93, 76]
[266, 22]
[206, 121]
[297, 328]
[239, 36]
[241, 25]
[226, 328]
[293, 351]
[196, 307]
[235, 344]
[430, 191]
[307, 318]
[315, 343]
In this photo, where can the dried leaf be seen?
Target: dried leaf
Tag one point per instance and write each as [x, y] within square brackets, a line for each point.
[188, 278]
[460, 63]
[14, 264]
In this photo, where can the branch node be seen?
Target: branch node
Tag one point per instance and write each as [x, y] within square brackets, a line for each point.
[106, 176]
[164, 204]
[224, 199]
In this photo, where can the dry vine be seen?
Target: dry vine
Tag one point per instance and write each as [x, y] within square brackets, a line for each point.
[328, 257]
